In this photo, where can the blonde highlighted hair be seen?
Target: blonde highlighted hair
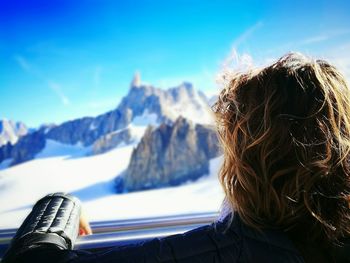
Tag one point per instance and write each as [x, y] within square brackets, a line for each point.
[285, 132]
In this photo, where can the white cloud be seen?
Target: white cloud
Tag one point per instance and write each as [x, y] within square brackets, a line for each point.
[23, 63]
[56, 88]
[339, 57]
[246, 34]
[323, 37]
[31, 69]
[235, 61]
[314, 39]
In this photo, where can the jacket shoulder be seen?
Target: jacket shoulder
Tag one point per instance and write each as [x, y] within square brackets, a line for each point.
[204, 244]
[211, 243]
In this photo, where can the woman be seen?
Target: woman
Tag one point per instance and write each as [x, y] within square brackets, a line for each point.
[285, 133]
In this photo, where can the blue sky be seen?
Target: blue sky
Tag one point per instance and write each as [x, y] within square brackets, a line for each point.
[62, 59]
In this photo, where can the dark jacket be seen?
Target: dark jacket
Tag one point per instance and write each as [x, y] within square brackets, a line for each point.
[206, 244]
[48, 234]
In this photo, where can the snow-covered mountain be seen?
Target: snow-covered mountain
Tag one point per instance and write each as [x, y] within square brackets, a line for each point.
[183, 100]
[151, 130]
[11, 131]
[170, 155]
[143, 103]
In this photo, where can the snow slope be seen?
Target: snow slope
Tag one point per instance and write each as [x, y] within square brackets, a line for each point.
[66, 168]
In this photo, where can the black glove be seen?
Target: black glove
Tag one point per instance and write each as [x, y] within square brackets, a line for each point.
[53, 223]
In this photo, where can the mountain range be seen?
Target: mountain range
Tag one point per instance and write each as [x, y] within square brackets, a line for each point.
[180, 135]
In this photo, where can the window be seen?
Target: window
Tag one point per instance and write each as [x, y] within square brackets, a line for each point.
[111, 101]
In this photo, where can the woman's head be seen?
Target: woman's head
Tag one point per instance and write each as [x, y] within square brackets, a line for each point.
[285, 132]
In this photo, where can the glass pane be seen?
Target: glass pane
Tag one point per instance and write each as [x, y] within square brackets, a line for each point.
[110, 101]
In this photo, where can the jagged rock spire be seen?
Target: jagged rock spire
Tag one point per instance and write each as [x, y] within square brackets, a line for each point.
[136, 81]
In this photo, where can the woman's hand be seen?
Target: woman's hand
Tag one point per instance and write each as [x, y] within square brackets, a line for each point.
[84, 226]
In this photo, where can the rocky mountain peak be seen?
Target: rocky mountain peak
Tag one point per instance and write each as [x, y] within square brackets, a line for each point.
[188, 86]
[143, 105]
[167, 104]
[11, 131]
[170, 155]
[136, 81]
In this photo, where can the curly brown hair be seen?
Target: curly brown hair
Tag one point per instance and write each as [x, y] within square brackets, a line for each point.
[285, 132]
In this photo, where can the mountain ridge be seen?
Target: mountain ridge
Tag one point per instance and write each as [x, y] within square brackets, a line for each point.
[170, 155]
[100, 132]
